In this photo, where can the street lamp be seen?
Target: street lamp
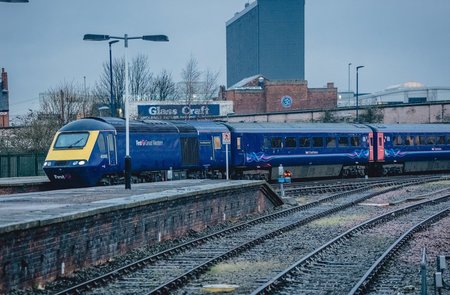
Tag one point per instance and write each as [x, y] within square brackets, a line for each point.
[125, 38]
[112, 102]
[357, 93]
[349, 64]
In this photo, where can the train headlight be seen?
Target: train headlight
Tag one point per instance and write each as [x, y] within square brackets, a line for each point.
[75, 163]
[47, 164]
[81, 163]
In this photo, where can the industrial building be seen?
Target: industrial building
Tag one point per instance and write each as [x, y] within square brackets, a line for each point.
[267, 38]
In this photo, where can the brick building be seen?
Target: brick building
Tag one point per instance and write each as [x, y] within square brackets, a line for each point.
[4, 100]
[259, 95]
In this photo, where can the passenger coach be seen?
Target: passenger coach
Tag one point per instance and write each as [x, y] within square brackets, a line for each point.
[306, 149]
[409, 148]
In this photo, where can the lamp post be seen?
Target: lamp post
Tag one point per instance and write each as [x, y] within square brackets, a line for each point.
[349, 64]
[112, 102]
[357, 93]
[125, 38]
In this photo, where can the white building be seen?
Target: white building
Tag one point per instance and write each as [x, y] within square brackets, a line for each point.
[409, 92]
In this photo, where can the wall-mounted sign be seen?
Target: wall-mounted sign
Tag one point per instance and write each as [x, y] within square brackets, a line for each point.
[286, 101]
[178, 111]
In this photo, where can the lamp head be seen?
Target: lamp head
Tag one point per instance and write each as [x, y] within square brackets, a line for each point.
[155, 38]
[95, 37]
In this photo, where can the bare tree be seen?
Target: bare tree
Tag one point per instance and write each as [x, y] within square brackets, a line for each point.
[210, 86]
[35, 133]
[191, 79]
[164, 86]
[141, 78]
[65, 102]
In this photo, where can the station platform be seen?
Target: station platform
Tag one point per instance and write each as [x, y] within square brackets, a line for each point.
[49, 234]
[20, 211]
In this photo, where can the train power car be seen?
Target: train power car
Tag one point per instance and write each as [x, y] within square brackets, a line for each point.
[410, 148]
[306, 149]
[90, 151]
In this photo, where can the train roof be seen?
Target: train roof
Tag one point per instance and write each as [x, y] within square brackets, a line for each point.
[298, 127]
[87, 124]
[118, 124]
[209, 126]
[411, 128]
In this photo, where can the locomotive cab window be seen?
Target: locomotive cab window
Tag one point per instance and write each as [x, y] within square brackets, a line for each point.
[290, 142]
[71, 140]
[101, 144]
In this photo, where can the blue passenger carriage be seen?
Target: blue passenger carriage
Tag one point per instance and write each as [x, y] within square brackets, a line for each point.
[211, 148]
[306, 149]
[409, 148]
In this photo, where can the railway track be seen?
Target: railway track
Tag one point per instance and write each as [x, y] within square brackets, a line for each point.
[349, 263]
[169, 270]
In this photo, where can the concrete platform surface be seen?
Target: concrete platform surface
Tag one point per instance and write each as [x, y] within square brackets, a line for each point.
[26, 210]
[18, 181]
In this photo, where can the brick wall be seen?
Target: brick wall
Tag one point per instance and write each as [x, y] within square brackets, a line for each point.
[253, 99]
[51, 249]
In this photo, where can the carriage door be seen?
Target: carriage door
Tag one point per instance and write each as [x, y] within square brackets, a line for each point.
[380, 146]
[112, 151]
[371, 156]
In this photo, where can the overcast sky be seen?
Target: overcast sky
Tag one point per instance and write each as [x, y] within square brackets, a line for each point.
[41, 42]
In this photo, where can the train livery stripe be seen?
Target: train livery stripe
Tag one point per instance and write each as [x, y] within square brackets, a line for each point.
[74, 154]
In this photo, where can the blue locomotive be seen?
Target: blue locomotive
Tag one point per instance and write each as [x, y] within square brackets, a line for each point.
[91, 151]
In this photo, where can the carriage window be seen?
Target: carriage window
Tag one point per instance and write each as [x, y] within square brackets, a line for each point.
[216, 142]
[397, 140]
[409, 140]
[440, 140]
[331, 142]
[266, 143]
[290, 142]
[431, 140]
[421, 140]
[101, 144]
[317, 141]
[354, 141]
[343, 141]
[304, 142]
[238, 142]
[276, 142]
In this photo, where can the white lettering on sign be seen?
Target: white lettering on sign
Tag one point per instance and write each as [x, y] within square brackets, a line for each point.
[144, 142]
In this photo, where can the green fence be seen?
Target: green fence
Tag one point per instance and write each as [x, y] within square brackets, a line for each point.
[18, 165]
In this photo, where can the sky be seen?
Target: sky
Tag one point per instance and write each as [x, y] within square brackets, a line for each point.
[42, 47]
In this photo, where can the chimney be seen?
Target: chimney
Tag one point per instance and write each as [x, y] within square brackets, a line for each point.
[4, 80]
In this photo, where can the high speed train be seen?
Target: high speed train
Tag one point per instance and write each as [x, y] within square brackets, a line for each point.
[91, 151]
